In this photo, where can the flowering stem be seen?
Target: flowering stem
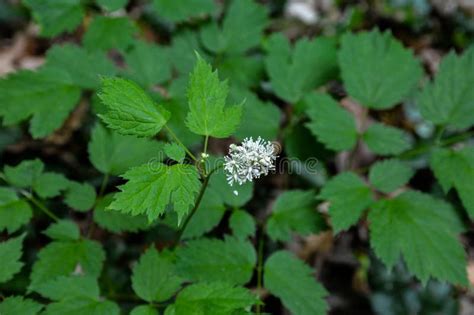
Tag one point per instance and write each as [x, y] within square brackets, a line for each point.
[173, 135]
[205, 144]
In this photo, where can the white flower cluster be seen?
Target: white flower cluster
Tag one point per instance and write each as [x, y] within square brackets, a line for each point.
[249, 160]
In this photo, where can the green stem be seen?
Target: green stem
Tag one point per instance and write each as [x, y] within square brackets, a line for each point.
[40, 206]
[173, 135]
[105, 181]
[439, 135]
[206, 140]
[260, 269]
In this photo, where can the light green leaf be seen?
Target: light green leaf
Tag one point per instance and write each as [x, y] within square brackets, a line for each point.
[75, 286]
[330, 123]
[80, 197]
[449, 98]
[49, 88]
[242, 70]
[235, 196]
[56, 16]
[24, 174]
[49, 184]
[386, 140]
[216, 298]
[241, 29]
[417, 226]
[175, 151]
[295, 72]
[84, 257]
[231, 260]
[154, 277]
[150, 189]
[84, 68]
[13, 212]
[11, 251]
[178, 11]
[288, 278]
[144, 310]
[18, 305]
[81, 306]
[115, 221]
[112, 5]
[388, 175]
[184, 46]
[456, 169]
[105, 33]
[372, 64]
[242, 224]
[112, 153]
[349, 196]
[294, 211]
[207, 95]
[130, 111]
[148, 64]
[63, 230]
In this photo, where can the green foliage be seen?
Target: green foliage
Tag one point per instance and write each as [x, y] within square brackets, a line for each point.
[207, 95]
[242, 224]
[63, 230]
[228, 194]
[448, 99]
[175, 152]
[80, 197]
[455, 168]
[388, 175]
[130, 111]
[11, 251]
[372, 64]
[290, 279]
[421, 229]
[348, 196]
[14, 305]
[178, 11]
[105, 33]
[330, 123]
[150, 188]
[231, 260]
[144, 310]
[112, 5]
[291, 70]
[13, 212]
[386, 140]
[294, 211]
[154, 277]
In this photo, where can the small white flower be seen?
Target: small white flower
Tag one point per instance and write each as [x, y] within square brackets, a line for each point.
[249, 160]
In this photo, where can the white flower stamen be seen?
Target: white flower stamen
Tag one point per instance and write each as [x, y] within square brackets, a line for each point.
[249, 160]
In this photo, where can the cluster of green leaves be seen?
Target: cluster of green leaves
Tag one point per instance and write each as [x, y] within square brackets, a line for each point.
[161, 104]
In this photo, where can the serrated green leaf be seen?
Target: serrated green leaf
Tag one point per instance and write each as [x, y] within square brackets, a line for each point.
[215, 298]
[63, 230]
[147, 64]
[112, 153]
[388, 175]
[49, 184]
[416, 226]
[259, 119]
[80, 197]
[130, 111]
[13, 212]
[184, 46]
[112, 5]
[49, 88]
[154, 277]
[242, 224]
[84, 68]
[81, 306]
[288, 278]
[175, 151]
[231, 260]
[295, 71]
[235, 196]
[105, 33]
[241, 29]
[115, 221]
[386, 140]
[144, 310]
[56, 16]
[456, 169]
[243, 71]
[149, 189]
[178, 11]
[75, 286]
[208, 115]
[11, 251]
[294, 211]
[24, 174]
[18, 305]
[207, 216]
[83, 257]
[372, 64]
[330, 123]
[349, 196]
[449, 98]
